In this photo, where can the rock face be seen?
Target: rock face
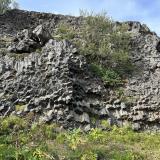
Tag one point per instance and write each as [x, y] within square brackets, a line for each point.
[51, 80]
[27, 41]
[17, 20]
[144, 86]
[56, 84]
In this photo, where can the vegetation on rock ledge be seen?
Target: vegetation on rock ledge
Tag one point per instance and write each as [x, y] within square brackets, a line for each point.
[105, 43]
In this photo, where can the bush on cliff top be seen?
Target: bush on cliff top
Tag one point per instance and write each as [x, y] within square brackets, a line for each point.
[104, 42]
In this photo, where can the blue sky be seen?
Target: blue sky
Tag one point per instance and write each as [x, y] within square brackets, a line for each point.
[145, 11]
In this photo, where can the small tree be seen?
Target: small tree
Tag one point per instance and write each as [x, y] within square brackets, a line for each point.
[7, 4]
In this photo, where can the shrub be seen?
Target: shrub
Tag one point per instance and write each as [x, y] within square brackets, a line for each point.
[103, 42]
[64, 31]
[89, 156]
[127, 155]
[44, 131]
[106, 42]
[105, 124]
[74, 139]
[96, 135]
[109, 76]
[12, 122]
[6, 5]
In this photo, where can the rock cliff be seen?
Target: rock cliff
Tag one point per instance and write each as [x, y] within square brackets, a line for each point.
[52, 80]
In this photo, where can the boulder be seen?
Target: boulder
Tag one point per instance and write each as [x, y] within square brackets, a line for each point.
[28, 41]
[41, 34]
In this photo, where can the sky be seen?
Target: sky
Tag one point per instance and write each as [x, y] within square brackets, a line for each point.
[145, 11]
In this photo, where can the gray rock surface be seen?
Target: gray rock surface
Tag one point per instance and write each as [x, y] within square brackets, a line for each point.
[27, 41]
[143, 86]
[50, 79]
[53, 84]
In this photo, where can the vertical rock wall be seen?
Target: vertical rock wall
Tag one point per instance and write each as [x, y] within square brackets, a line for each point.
[56, 83]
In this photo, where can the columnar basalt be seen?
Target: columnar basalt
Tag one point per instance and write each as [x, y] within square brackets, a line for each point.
[52, 80]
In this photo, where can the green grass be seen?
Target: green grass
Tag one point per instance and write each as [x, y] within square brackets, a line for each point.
[109, 76]
[19, 140]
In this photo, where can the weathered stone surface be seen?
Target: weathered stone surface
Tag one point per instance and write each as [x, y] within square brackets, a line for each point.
[41, 34]
[53, 84]
[27, 41]
[56, 83]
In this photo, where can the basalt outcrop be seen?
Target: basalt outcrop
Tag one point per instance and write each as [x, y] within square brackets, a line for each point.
[53, 81]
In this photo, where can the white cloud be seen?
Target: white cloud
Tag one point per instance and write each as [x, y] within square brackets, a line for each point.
[143, 11]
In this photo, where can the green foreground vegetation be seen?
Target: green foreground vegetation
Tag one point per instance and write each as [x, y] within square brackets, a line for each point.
[19, 140]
